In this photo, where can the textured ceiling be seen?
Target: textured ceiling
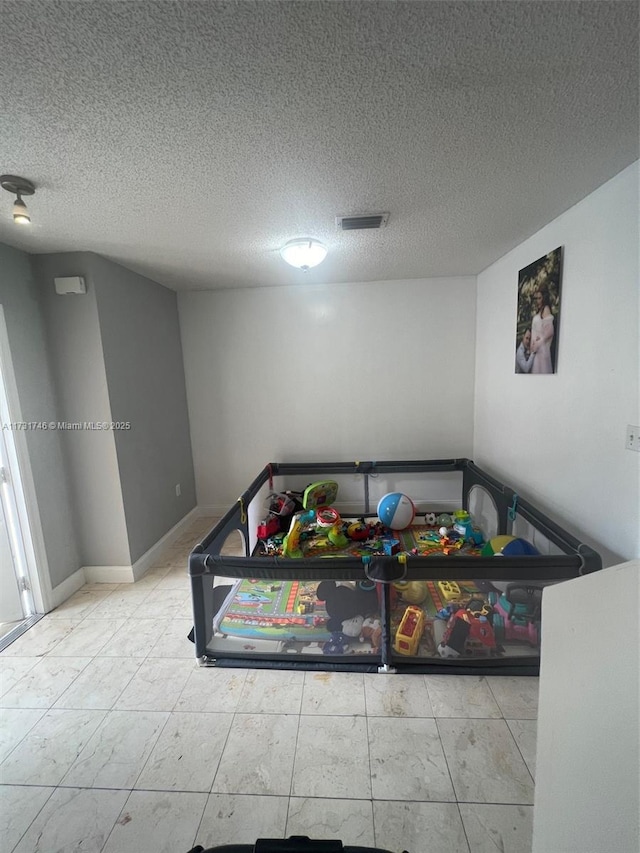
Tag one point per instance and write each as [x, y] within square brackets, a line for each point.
[190, 140]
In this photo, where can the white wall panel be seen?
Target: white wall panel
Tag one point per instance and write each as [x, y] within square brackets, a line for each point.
[381, 370]
[561, 437]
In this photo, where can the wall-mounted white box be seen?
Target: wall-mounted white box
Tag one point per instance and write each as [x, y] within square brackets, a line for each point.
[70, 284]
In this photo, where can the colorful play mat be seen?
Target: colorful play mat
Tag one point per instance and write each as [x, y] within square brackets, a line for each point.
[274, 610]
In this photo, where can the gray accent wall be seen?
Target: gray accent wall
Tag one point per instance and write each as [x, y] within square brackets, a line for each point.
[77, 362]
[27, 341]
[145, 375]
[117, 357]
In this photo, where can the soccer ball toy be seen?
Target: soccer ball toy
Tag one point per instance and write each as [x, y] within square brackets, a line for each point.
[396, 511]
[508, 546]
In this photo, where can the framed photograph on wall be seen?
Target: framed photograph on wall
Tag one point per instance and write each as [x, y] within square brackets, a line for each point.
[538, 319]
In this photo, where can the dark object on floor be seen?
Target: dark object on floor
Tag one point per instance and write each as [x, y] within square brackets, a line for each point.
[344, 602]
[295, 844]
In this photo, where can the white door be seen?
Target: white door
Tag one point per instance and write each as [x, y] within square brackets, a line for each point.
[16, 546]
[11, 605]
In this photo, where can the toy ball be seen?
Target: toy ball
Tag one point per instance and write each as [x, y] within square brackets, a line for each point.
[508, 546]
[430, 519]
[396, 511]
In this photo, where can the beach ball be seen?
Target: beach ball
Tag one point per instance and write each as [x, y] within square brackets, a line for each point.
[508, 546]
[396, 511]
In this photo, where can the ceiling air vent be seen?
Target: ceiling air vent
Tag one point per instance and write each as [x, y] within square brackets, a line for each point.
[361, 221]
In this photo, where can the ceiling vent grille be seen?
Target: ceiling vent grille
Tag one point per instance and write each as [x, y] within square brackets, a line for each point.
[362, 221]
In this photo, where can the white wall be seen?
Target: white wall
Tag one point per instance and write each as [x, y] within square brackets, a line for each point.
[587, 783]
[382, 370]
[561, 438]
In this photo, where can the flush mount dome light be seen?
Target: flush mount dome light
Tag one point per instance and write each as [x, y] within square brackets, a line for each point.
[304, 253]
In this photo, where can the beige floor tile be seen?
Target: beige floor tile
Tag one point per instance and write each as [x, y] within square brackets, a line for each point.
[407, 760]
[419, 827]
[484, 762]
[20, 806]
[332, 758]
[524, 733]
[79, 605]
[42, 638]
[267, 691]
[340, 693]
[461, 696]
[258, 755]
[153, 821]
[52, 746]
[209, 689]
[15, 723]
[349, 821]
[135, 638]
[490, 828]
[156, 686]
[241, 819]
[397, 696]
[187, 753]
[118, 750]
[517, 696]
[12, 669]
[99, 684]
[89, 637]
[73, 819]
[174, 643]
[44, 683]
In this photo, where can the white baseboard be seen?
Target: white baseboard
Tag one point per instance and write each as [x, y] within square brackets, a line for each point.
[109, 574]
[143, 563]
[66, 589]
[133, 573]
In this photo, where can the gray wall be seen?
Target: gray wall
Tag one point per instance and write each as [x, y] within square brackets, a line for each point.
[77, 362]
[145, 375]
[117, 357]
[25, 327]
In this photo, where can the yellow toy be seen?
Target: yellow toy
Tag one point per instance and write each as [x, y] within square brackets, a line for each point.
[291, 542]
[409, 631]
[449, 590]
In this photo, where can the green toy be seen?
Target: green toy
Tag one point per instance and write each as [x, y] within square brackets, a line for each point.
[322, 493]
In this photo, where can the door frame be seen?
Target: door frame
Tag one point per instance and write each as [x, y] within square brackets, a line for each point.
[23, 484]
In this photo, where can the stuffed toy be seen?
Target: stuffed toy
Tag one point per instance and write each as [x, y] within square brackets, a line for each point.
[352, 627]
[342, 603]
[338, 644]
[372, 631]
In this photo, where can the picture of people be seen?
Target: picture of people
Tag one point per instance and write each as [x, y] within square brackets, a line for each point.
[538, 314]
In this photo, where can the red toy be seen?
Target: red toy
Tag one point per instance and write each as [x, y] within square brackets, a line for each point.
[268, 526]
[469, 630]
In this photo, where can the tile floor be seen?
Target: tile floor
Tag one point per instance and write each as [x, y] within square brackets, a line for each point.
[112, 739]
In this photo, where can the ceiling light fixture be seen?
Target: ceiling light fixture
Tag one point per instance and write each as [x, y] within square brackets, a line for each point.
[304, 253]
[18, 187]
